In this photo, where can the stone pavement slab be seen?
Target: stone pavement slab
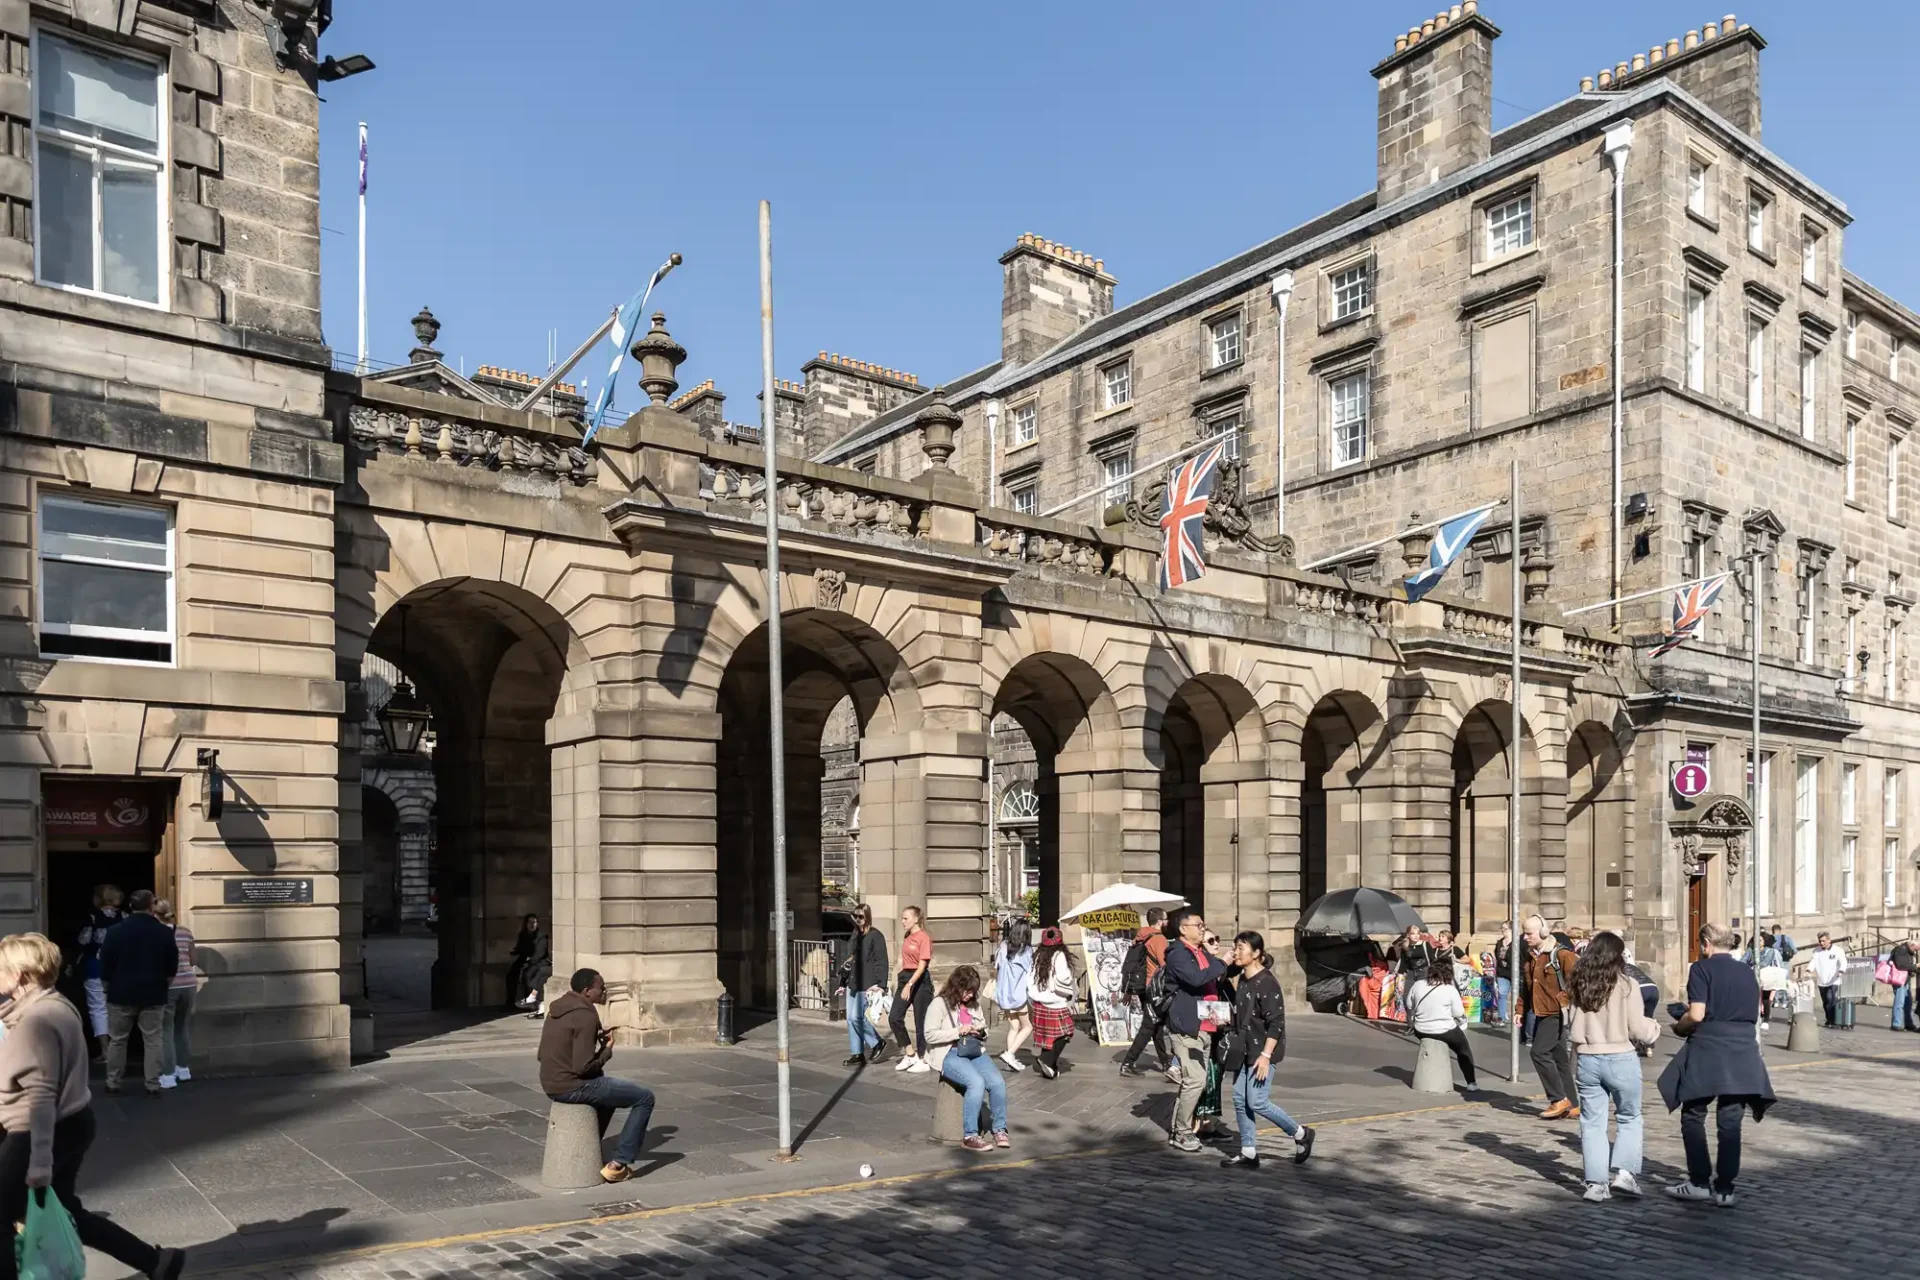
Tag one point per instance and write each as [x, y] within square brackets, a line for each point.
[419, 1144]
[1463, 1190]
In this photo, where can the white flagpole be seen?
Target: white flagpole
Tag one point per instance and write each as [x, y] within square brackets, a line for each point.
[776, 692]
[1642, 595]
[1107, 486]
[1395, 537]
[1513, 786]
[360, 362]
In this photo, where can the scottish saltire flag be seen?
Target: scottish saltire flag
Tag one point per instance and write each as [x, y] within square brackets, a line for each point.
[1691, 604]
[623, 329]
[1182, 554]
[363, 157]
[1449, 540]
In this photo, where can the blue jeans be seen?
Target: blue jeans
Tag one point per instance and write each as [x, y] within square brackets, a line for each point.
[861, 1036]
[606, 1095]
[1250, 1102]
[1902, 1001]
[1603, 1076]
[982, 1081]
[1502, 996]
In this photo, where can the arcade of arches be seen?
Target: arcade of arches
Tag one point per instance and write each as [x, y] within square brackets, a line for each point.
[598, 677]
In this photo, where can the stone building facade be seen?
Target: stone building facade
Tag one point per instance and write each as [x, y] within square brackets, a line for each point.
[1385, 361]
[217, 541]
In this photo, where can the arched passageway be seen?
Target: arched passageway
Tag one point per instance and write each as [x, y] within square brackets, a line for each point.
[491, 661]
[1063, 708]
[1479, 896]
[1597, 813]
[829, 661]
[380, 861]
[1213, 796]
[1346, 812]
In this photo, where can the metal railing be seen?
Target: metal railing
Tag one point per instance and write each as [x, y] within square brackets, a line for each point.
[812, 968]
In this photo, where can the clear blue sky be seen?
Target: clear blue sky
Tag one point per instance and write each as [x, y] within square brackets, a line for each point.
[528, 173]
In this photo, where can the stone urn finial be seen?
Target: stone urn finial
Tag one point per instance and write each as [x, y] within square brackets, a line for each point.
[425, 330]
[660, 357]
[1536, 570]
[1414, 547]
[937, 423]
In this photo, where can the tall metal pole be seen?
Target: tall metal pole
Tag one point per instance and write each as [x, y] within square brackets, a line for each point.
[360, 361]
[1753, 797]
[776, 693]
[1513, 784]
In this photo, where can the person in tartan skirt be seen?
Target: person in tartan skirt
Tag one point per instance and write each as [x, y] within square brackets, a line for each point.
[1052, 992]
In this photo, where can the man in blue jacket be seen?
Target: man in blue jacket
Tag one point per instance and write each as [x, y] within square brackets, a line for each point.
[137, 963]
[1194, 972]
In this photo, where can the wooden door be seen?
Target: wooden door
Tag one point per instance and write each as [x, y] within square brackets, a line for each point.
[1696, 914]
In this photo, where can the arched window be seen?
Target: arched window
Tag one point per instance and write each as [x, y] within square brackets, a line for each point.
[1019, 805]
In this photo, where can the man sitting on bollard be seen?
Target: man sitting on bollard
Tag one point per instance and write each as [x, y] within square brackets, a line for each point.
[574, 1049]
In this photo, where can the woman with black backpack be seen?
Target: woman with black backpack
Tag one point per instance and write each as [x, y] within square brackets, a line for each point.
[1257, 1040]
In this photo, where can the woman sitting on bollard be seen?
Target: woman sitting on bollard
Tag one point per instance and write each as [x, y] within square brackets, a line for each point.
[1438, 1013]
[957, 1049]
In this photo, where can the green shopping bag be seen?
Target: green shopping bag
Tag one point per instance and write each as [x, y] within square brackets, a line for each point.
[48, 1248]
[1208, 1108]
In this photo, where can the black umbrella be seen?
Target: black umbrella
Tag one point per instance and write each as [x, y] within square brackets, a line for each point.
[1359, 913]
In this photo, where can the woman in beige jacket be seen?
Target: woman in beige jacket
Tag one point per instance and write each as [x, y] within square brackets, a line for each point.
[46, 1109]
[1606, 1021]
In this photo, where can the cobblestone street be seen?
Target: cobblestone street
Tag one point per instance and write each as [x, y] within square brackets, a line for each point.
[1434, 1190]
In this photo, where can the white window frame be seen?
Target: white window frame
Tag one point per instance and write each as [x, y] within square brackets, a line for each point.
[1809, 613]
[1699, 174]
[1759, 211]
[1025, 420]
[1024, 497]
[1896, 462]
[1226, 341]
[159, 163]
[1811, 239]
[1118, 462]
[1853, 335]
[1809, 391]
[1806, 835]
[1892, 673]
[1507, 225]
[1116, 393]
[1217, 424]
[1757, 327]
[1890, 805]
[1890, 871]
[1347, 455]
[1763, 833]
[169, 570]
[1849, 794]
[1847, 659]
[1350, 289]
[1895, 349]
[1853, 457]
[1697, 302]
[1849, 863]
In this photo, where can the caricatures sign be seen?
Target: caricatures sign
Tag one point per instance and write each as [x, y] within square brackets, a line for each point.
[1105, 937]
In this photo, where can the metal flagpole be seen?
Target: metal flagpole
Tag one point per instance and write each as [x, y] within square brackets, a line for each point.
[1641, 595]
[360, 362]
[1753, 796]
[1106, 486]
[776, 694]
[1323, 561]
[1513, 786]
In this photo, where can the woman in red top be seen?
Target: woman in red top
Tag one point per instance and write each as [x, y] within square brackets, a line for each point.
[913, 987]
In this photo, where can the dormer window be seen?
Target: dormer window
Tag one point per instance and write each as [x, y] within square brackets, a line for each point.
[99, 168]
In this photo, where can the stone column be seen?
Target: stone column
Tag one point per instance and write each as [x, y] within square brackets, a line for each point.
[1422, 790]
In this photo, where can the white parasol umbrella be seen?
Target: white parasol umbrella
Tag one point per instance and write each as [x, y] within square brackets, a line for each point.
[1124, 895]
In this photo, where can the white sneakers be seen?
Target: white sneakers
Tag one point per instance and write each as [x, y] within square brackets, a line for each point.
[1624, 1184]
[917, 1066]
[1013, 1063]
[182, 1075]
[167, 1081]
[906, 1061]
[1595, 1193]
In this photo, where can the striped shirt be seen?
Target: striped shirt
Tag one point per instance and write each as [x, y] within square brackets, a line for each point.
[183, 940]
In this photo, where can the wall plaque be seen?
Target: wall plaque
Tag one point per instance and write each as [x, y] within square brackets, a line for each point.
[268, 893]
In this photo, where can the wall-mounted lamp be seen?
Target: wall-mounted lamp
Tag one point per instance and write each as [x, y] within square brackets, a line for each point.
[404, 718]
[212, 791]
[332, 68]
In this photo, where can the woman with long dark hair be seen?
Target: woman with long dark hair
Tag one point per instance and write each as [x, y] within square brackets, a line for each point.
[1437, 1012]
[957, 1049]
[1053, 992]
[1606, 1021]
[863, 979]
[1012, 985]
[1257, 1040]
[532, 966]
[914, 990]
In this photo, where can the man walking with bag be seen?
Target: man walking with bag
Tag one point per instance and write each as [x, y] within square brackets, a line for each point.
[1904, 960]
[137, 964]
[1828, 962]
[1196, 1013]
[1152, 942]
[1549, 990]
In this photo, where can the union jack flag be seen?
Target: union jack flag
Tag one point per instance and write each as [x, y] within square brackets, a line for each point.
[1691, 604]
[1182, 554]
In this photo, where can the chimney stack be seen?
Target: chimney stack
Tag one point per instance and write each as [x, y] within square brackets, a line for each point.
[1717, 62]
[1436, 100]
[1048, 291]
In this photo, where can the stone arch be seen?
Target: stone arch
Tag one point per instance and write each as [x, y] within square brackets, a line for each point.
[1599, 866]
[1345, 796]
[1476, 897]
[498, 666]
[1072, 727]
[1210, 735]
[829, 658]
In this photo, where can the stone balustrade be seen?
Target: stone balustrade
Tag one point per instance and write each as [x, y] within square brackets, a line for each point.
[813, 496]
[1315, 593]
[1044, 543]
[393, 421]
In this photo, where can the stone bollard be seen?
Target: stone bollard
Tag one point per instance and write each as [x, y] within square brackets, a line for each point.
[1804, 1035]
[573, 1147]
[948, 1111]
[1433, 1071]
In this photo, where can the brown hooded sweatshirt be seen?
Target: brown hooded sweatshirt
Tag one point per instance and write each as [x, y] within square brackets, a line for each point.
[570, 1049]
